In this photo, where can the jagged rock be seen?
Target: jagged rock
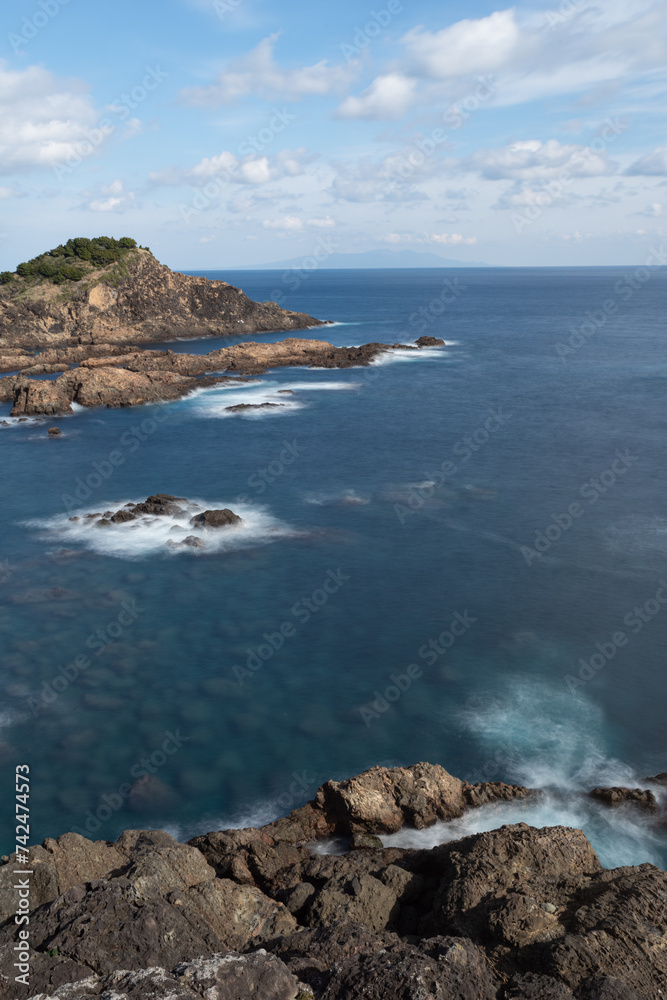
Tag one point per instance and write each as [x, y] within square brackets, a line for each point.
[31, 396]
[215, 519]
[226, 976]
[134, 301]
[55, 432]
[258, 976]
[536, 987]
[641, 797]
[441, 969]
[606, 988]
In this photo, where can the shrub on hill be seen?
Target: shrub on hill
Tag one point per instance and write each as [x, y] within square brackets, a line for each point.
[63, 262]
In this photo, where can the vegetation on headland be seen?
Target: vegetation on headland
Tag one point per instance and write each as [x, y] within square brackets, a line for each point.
[71, 261]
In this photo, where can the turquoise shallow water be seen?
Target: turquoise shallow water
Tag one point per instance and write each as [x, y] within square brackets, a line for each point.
[386, 510]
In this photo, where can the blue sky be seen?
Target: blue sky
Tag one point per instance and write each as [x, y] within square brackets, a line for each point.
[225, 132]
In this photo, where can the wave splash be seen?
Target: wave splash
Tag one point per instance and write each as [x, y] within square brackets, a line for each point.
[539, 735]
[151, 535]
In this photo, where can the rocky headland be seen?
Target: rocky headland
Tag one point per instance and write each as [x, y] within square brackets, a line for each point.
[514, 914]
[131, 300]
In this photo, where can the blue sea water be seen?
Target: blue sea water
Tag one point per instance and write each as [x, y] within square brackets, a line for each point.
[392, 521]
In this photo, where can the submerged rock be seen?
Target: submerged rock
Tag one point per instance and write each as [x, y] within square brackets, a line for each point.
[251, 406]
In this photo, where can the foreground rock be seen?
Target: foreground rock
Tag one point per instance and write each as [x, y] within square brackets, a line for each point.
[136, 300]
[152, 376]
[513, 914]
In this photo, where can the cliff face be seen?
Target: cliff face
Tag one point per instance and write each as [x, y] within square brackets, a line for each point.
[135, 300]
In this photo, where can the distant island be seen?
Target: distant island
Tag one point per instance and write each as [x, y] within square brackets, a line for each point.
[367, 259]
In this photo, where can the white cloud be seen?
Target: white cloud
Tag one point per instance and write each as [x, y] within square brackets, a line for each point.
[326, 223]
[6, 192]
[288, 223]
[465, 48]
[227, 167]
[207, 239]
[389, 96]
[652, 164]
[444, 239]
[44, 120]
[533, 160]
[116, 199]
[258, 74]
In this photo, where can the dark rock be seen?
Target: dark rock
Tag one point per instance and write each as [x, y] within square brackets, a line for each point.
[641, 797]
[429, 342]
[251, 406]
[606, 988]
[258, 976]
[148, 793]
[55, 432]
[442, 969]
[215, 519]
[121, 516]
[365, 841]
[536, 987]
[658, 779]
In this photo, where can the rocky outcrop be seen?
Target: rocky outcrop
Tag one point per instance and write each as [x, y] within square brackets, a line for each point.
[128, 379]
[135, 300]
[513, 914]
[167, 506]
[215, 519]
[643, 798]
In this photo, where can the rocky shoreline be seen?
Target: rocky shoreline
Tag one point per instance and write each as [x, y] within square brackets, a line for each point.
[134, 376]
[514, 914]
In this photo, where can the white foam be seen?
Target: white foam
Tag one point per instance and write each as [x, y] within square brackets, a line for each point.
[343, 498]
[402, 355]
[214, 401]
[536, 733]
[149, 535]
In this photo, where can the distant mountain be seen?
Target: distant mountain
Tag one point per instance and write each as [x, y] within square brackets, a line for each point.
[368, 259]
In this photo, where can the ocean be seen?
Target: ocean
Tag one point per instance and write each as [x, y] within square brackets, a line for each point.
[456, 555]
